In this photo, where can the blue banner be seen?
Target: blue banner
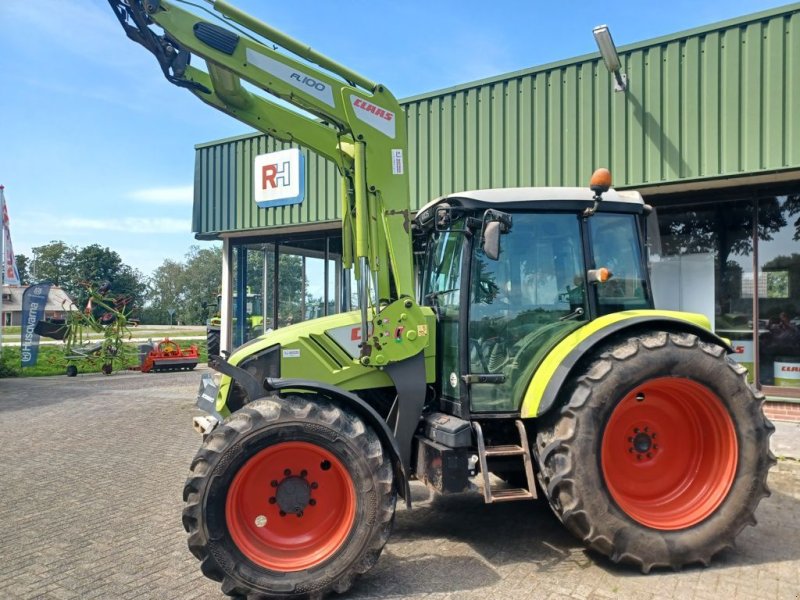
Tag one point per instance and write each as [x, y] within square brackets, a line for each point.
[33, 302]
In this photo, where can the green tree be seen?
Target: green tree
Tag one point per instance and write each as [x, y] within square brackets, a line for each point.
[165, 291]
[190, 287]
[97, 265]
[53, 262]
[22, 266]
[203, 279]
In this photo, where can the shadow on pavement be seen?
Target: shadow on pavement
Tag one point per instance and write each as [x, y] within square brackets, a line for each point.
[529, 533]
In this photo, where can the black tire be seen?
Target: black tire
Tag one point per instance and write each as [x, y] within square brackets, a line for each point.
[261, 425]
[212, 342]
[107, 369]
[570, 441]
[72, 371]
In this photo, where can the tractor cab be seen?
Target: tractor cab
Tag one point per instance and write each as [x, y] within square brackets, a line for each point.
[511, 272]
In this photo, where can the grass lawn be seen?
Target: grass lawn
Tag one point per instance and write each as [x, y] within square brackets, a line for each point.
[12, 333]
[51, 360]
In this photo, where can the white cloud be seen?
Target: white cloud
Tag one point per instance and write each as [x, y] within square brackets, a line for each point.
[181, 194]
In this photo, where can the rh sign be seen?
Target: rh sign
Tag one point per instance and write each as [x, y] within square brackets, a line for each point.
[279, 178]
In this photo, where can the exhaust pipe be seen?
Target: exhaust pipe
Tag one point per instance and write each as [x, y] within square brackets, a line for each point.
[204, 425]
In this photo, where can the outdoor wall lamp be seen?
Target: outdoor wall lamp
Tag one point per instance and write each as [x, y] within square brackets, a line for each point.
[608, 51]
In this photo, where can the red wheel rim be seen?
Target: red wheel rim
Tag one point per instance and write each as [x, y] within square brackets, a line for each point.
[291, 506]
[669, 453]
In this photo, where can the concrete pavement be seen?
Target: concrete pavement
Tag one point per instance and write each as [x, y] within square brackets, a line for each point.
[90, 501]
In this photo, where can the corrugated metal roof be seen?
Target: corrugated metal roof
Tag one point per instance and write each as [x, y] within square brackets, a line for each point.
[711, 102]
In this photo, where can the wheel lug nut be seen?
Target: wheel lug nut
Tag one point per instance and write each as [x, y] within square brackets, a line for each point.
[303, 473]
[312, 502]
[299, 513]
[630, 449]
[649, 455]
[638, 457]
[287, 472]
[314, 485]
[646, 430]
[630, 439]
[274, 483]
[635, 430]
[273, 500]
[282, 513]
[655, 446]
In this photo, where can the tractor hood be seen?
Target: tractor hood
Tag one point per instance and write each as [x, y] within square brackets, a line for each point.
[323, 350]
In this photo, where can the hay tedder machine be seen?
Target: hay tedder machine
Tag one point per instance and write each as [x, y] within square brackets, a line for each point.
[521, 356]
[95, 334]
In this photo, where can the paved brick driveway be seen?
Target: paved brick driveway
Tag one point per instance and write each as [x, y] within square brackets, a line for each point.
[90, 508]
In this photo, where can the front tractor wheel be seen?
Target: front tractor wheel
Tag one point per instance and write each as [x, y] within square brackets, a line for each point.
[659, 454]
[289, 498]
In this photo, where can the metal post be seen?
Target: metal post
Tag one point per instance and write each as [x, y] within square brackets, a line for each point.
[227, 296]
[240, 336]
[326, 275]
[264, 290]
[303, 290]
[275, 284]
[756, 342]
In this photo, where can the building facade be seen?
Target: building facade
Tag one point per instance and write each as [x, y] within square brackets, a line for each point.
[708, 131]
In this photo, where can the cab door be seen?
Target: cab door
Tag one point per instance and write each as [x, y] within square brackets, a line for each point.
[442, 289]
[522, 304]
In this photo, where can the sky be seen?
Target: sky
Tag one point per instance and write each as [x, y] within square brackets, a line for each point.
[96, 147]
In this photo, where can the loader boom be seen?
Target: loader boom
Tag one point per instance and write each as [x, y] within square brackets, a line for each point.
[359, 125]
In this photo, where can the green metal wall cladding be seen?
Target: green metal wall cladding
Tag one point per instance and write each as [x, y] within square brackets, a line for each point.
[713, 102]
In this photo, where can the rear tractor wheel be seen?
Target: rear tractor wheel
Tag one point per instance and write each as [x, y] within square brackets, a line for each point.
[289, 498]
[659, 454]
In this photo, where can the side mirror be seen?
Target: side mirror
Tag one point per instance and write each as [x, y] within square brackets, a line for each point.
[491, 240]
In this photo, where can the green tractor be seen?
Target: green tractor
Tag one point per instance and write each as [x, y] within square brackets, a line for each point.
[520, 356]
[254, 317]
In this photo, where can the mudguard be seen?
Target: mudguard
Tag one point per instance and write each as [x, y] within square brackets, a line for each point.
[364, 410]
[557, 367]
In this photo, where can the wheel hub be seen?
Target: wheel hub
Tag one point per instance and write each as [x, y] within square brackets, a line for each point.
[293, 494]
[642, 442]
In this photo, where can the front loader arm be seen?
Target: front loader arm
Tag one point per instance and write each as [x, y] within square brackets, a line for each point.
[360, 126]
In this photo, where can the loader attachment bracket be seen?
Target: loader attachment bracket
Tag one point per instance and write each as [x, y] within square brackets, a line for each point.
[171, 56]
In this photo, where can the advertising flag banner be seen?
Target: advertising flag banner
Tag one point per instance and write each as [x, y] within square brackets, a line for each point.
[33, 302]
[10, 272]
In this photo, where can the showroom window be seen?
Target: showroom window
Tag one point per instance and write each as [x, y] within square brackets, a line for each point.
[736, 259]
[286, 281]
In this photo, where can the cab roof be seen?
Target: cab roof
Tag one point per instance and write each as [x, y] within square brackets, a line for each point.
[532, 197]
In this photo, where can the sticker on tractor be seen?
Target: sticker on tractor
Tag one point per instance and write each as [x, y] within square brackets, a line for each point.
[453, 380]
[373, 115]
[348, 338]
[397, 161]
[422, 330]
[291, 353]
[295, 78]
[279, 178]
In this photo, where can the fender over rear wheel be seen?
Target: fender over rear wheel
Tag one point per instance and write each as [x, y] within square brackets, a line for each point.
[659, 453]
[289, 498]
